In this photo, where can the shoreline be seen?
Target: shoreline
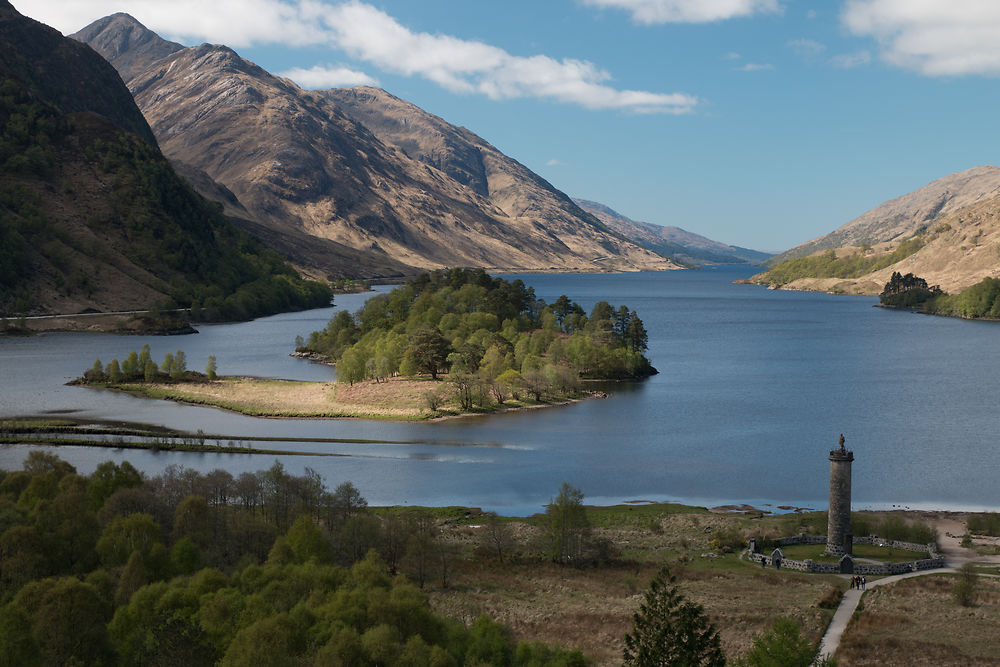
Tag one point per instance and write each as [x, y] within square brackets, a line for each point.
[46, 436]
[398, 399]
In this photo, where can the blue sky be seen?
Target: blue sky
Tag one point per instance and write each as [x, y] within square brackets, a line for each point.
[761, 123]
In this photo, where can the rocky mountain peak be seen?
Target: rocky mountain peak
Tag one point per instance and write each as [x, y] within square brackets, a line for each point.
[125, 43]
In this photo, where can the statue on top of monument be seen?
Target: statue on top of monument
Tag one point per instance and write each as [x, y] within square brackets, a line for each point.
[841, 442]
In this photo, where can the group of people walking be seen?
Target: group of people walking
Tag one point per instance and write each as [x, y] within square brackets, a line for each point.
[858, 583]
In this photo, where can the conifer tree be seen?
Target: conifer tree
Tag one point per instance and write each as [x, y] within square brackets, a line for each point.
[669, 630]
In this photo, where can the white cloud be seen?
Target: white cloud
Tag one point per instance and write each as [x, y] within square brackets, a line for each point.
[687, 11]
[464, 66]
[328, 77]
[850, 60]
[931, 37]
[370, 35]
[755, 67]
[554, 163]
[236, 23]
[806, 48]
[732, 55]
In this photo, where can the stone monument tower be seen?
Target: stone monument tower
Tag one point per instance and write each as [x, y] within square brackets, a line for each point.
[839, 539]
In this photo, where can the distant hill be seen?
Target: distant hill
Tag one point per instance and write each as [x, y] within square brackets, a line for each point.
[327, 165]
[683, 246]
[92, 217]
[947, 232]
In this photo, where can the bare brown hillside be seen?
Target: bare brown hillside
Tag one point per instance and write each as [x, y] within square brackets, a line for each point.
[299, 165]
[953, 224]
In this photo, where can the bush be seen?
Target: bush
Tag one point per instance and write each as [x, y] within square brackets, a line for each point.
[831, 599]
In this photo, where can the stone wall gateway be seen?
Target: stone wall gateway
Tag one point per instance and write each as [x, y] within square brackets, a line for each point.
[935, 561]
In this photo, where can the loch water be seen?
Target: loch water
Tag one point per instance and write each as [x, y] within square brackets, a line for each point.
[755, 387]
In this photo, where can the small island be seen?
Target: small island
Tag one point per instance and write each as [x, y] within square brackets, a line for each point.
[448, 343]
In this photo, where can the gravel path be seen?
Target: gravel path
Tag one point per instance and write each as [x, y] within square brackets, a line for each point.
[950, 531]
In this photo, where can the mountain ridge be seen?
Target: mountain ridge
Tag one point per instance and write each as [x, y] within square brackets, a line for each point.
[679, 243]
[93, 217]
[947, 232]
[300, 160]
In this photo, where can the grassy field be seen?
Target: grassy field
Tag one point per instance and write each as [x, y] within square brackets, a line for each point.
[399, 399]
[869, 551]
[591, 607]
[917, 622]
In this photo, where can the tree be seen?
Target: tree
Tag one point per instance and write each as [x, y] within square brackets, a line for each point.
[178, 365]
[149, 371]
[211, 368]
[965, 588]
[68, 621]
[346, 501]
[497, 535]
[567, 524]
[145, 356]
[428, 349]
[669, 630]
[168, 362]
[130, 367]
[636, 335]
[95, 373]
[781, 646]
[114, 372]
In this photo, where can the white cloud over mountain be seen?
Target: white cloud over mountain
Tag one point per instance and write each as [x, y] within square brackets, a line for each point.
[328, 77]
[935, 38]
[368, 34]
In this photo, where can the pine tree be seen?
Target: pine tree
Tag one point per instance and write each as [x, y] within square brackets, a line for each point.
[670, 630]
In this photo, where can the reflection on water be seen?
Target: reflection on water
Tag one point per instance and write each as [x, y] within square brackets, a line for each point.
[754, 388]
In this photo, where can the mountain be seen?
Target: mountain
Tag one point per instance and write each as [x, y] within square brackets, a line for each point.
[682, 245]
[316, 163]
[92, 217]
[65, 72]
[947, 232]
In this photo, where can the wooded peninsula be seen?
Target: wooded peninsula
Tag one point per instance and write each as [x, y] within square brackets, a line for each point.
[447, 343]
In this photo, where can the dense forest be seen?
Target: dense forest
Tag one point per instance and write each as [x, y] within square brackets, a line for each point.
[79, 197]
[472, 326]
[264, 568]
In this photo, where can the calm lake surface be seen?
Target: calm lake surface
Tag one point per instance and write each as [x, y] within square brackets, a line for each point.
[755, 387]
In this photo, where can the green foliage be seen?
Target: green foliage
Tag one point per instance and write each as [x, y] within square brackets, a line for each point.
[829, 265]
[966, 587]
[980, 301]
[146, 212]
[567, 527]
[781, 646]
[161, 597]
[986, 523]
[670, 630]
[211, 369]
[907, 291]
[893, 527]
[495, 339]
